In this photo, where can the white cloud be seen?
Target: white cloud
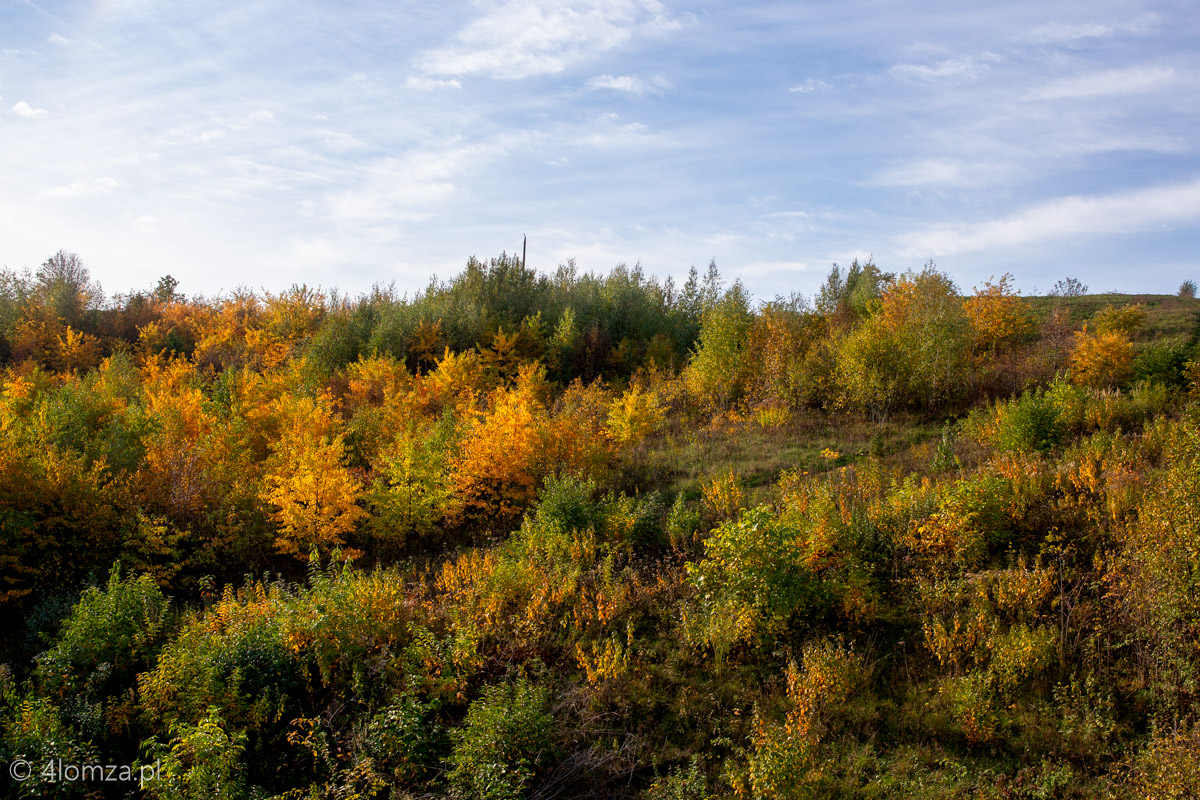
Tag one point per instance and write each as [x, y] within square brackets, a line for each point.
[1107, 82]
[1066, 32]
[515, 39]
[778, 270]
[1125, 212]
[921, 173]
[430, 84]
[58, 39]
[607, 132]
[26, 111]
[629, 84]
[945, 172]
[99, 186]
[146, 224]
[1059, 32]
[808, 86]
[943, 71]
[412, 187]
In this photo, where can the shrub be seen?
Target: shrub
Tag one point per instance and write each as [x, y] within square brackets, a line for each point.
[682, 783]
[1187, 289]
[1028, 423]
[753, 577]
[503, 743]
[1069, 287]
[402, 740]
[112, 634]
[786, 762]
[1163, 362]
[202, 761]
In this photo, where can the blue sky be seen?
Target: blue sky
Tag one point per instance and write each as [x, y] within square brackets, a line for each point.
[264, 143]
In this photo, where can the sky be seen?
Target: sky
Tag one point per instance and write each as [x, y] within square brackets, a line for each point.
[264, 143]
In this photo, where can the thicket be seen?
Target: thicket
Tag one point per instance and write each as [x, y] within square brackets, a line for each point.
[576, 535]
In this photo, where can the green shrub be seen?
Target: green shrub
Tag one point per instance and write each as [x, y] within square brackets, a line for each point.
[683, 522]
[1163, 362]
[502, 744]
[403, 741]
[566, 504]
[1030, 422]
[112, 634]
[201, 762]
[683, 783]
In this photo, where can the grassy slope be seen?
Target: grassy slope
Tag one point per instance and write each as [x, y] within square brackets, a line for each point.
[1167, 316]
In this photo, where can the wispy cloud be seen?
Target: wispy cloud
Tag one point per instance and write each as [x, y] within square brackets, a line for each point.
[422, 84]
[1103, 83]
[99, 186]
[610, 132]
[515, 39]
[809, 86]
[1069, 32]
[630, 84]
[930, 171]
[24, 110]
[1102, 215]
[949, 70]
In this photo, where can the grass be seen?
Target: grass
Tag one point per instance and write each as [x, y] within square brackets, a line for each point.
[681, 461]
[1167, 316]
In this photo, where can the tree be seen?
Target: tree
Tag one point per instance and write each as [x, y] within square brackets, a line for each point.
[715, 375]
[165, 292]
[1103, 352]
[912, 349]
[314, 497]
[996, 315]
[64, 285]
[1070, 287]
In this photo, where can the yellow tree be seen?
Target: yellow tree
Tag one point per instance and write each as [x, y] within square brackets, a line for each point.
[500, 464]
[996, 315]
[314, 497]
[414, 490]
[1103, 354]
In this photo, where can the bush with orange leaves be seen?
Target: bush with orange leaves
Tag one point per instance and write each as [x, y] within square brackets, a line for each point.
[1103, 353]
[508, 449]
[997, 316]
[313, 497]
[785, 762]
[578, 440]
[502, 460]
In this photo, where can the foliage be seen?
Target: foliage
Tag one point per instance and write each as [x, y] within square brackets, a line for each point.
[504, 741]
[110, 636]
[715, 374]
[879, 542]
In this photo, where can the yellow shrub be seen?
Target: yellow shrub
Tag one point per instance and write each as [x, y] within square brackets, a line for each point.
[723, 496]
[633, 416]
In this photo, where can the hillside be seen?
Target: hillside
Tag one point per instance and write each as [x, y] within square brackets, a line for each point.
[600, 536]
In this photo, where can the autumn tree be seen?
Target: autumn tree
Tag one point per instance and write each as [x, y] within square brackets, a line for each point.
[1102, 356]
[715, 375]
[313, 496]
[911, 351]
[997, 316]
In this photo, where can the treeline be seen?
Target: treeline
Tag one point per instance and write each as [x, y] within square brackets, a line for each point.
[403, 547]
[577, 324]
